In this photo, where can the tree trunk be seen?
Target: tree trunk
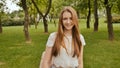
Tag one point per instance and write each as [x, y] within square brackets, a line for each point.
[89, 15]
[0, 25]
[109, 21]
[26, 23]
[35, 21]
[95, 16]
[45, 25]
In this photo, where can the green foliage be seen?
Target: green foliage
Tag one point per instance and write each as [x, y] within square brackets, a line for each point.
[79, 5]
[42, 4]
[2, 4]
[117, 6]
[12, 22]
[13, 19]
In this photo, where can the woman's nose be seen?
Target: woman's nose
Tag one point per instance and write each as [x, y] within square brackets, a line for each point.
[68, 20]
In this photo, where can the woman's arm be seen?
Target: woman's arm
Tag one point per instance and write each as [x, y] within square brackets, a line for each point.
[80, 59]
[46, 60]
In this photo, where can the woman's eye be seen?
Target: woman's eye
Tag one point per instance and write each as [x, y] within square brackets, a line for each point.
[64, 18]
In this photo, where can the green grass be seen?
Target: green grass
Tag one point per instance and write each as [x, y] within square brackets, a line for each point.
[99, 52]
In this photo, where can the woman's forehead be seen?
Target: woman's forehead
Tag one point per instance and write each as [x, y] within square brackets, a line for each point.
[66, 13]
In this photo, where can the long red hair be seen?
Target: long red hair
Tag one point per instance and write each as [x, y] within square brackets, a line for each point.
[59, 41]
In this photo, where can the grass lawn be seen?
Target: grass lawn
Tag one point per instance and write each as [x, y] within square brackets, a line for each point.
[99, 52]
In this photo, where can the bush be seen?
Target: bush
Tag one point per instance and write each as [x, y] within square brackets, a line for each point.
[12, 22]
[116, 19]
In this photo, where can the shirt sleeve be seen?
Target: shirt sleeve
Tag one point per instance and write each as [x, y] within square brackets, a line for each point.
[51, 40]
[82, 40]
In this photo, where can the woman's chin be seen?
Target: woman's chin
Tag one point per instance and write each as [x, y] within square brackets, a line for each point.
[68, 29]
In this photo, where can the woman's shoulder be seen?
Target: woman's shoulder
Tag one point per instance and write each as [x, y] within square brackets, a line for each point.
[51, 39]
[81, 35]
[82, 39]
[53, 34]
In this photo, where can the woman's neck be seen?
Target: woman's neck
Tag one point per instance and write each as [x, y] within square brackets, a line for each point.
[68, 32]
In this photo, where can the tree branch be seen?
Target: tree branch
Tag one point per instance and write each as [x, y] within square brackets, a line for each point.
[37, 8]
[49, 6]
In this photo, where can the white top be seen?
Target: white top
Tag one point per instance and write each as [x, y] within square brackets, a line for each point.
[64, 59]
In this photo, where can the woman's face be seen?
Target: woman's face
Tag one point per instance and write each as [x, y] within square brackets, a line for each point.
[67, 21]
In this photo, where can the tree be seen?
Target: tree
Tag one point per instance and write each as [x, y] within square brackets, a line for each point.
[118, 5]
[95, 15]
[2, 4]
[89, 14]
[44, 15]
[108, 7]
[0, 24]
[33, 13]
[26, 23]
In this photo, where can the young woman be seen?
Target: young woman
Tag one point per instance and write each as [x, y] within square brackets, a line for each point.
[64, 48]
